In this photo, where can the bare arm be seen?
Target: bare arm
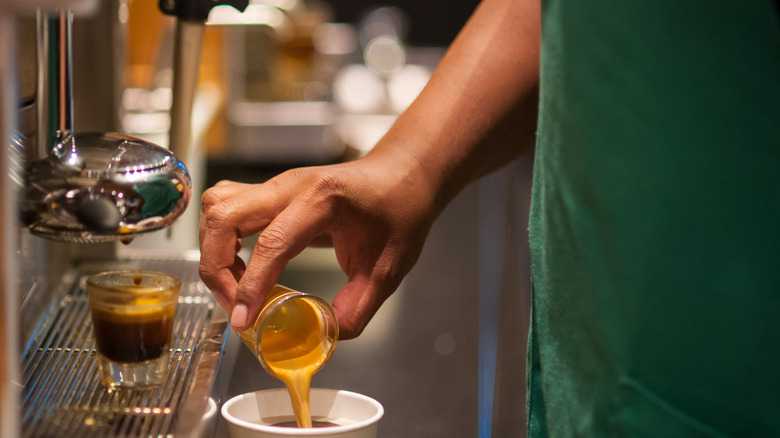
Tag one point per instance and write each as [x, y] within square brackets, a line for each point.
[479, 109]
[477, 112]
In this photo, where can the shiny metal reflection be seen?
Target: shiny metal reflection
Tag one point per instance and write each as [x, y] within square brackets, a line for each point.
[99, 187]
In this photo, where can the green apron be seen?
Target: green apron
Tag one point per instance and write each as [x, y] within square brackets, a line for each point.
[655, 220]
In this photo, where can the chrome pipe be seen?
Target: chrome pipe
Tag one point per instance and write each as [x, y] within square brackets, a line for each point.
[9, 366]
[186, 63]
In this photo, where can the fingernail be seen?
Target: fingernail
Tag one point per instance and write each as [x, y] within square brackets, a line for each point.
[238, 319]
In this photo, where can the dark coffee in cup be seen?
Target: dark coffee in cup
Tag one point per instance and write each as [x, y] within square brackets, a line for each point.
[132, 317]
[132, 337]
[314, 423]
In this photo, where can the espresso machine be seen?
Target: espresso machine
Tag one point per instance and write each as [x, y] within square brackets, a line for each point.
[72, 189]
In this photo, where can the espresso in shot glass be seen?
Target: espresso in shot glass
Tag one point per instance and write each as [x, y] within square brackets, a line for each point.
[132, 317]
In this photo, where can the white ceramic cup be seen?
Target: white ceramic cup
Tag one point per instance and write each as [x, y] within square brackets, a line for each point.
[248, 415]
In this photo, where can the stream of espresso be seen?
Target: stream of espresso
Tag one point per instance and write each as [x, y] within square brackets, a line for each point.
[293, 349]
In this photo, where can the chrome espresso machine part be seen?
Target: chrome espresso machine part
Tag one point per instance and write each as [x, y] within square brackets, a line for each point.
[191, 16]
[97, 187]
[82, 191]
[13, 103]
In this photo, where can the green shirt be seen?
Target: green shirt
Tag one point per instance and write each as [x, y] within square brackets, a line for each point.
[655, 224]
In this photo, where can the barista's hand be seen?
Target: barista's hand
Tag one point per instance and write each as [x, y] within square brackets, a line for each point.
[476, 113]
[376, 212]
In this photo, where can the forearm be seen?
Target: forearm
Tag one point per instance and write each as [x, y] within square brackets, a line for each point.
[479, 109]
[377, 211]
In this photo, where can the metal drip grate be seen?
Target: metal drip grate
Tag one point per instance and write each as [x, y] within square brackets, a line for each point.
[62, 395]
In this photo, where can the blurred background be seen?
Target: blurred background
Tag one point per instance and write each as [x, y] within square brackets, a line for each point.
[431, 24]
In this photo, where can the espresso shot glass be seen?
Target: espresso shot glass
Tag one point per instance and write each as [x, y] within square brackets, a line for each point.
[293, 332]
[132, 318]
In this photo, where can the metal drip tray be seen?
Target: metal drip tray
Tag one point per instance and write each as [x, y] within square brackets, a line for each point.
[62, 395]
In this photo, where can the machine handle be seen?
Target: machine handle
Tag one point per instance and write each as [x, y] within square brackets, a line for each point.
[197, 10]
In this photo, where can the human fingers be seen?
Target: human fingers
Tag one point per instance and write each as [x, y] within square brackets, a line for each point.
[357, 303]
[284, 238]
[226, 297]
[220, 266]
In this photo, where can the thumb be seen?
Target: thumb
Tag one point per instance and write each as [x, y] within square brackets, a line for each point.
[355, 304]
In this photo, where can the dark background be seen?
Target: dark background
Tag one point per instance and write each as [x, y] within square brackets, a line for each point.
[430, 22]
